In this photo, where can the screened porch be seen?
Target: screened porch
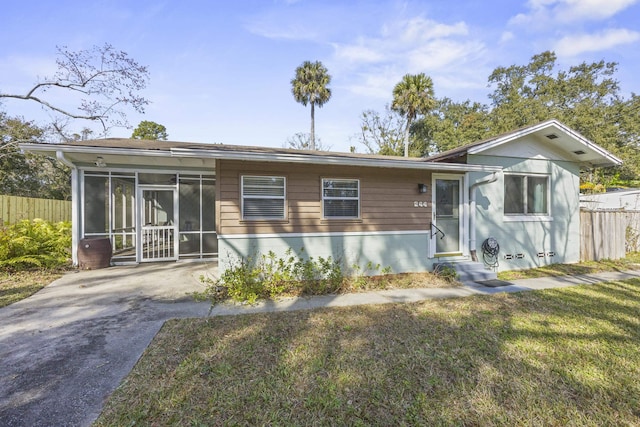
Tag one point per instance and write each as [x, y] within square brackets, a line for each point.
[150, 216]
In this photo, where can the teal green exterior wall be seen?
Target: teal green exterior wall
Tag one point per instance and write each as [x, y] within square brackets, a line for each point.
[401, 251]
[559, 235]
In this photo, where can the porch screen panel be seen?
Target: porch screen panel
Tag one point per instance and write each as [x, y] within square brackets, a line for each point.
[209, 243]
[123, 216]
[96, 205]
[189, 200]
[209, 236]
[197, 238]
[208, 205]
[189, 205]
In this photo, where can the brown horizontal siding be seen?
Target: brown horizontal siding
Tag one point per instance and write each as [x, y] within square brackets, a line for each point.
[386, 199]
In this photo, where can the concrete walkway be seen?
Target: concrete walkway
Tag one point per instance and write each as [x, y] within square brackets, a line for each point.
[418, 294]
[65, 349]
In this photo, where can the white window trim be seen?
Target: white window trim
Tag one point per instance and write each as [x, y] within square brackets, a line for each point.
[529, 217]
[339, 198]
[283, 198]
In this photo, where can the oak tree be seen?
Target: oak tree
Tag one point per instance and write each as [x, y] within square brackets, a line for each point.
[150, 130]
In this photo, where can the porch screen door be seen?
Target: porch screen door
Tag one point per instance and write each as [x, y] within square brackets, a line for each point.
[447, 204]
[159, 229]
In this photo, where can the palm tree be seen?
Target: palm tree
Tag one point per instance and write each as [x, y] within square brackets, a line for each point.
[309, 86]
[413, 96]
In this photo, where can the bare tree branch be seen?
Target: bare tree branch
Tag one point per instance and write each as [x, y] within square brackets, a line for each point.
[107, 81]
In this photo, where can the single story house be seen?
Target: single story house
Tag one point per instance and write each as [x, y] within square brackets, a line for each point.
[173, 201]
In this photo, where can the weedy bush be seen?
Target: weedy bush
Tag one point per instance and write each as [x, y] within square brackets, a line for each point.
[31, 244]
[446, 272]
[268, 276]
[360, 277]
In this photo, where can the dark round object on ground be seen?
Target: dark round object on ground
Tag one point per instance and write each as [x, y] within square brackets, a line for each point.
[94, 253]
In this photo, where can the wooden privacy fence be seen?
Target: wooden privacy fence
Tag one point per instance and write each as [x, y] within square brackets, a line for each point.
[14, 209]
[608, 234]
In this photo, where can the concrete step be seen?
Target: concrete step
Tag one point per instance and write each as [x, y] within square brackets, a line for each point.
[469, 271]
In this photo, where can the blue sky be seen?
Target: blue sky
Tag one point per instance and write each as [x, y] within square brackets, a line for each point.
[221, 70]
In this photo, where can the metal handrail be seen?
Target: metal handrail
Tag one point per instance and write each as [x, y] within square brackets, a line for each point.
[432, 225]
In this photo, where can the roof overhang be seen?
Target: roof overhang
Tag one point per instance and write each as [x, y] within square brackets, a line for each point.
[194, 157]
[552, 132]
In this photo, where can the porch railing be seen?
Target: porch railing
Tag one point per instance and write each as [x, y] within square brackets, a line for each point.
[158, 243]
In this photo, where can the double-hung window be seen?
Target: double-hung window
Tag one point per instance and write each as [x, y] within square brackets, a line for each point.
[340, 198]
[526, 195]
[263, 197]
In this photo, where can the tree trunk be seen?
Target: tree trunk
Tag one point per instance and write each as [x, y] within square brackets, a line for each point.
[406, 138]
[312, 137]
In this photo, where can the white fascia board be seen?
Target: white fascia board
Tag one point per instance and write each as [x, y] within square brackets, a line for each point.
[332, 160]
[591, 145]
[53, 148]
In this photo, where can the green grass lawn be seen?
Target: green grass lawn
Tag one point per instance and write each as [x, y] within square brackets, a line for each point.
[630, 262]
[555, 357]
[20, 285]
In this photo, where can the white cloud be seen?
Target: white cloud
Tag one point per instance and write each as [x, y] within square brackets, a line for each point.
[405, 46]
[375, 83]
[506, 37]
[440, 54]
[419, 29]
[287, 32]
[592, 9]
[577, 44]
[541, 12]
[358, 52]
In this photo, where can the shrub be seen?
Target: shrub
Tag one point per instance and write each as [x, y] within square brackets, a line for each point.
[31, 244]
[268, 276]
[446, 272]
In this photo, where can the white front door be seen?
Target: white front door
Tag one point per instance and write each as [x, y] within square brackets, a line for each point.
[158, 211]
[447, 221]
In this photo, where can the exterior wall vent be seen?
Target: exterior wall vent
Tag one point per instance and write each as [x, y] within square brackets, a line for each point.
[552, 136]
[519, 256]
[540, 254]
[550, 254]
[579, 152]
[508, 256]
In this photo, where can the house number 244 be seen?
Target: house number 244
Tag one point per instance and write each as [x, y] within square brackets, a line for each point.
[418, 204]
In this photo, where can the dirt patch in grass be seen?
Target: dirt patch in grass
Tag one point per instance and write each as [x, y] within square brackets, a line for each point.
[555, 357]
[20, 285]
[398, 281]
[420, 280]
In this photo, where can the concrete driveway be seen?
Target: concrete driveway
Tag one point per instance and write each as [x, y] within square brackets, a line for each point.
[66, 348]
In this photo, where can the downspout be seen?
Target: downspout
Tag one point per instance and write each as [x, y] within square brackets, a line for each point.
[472, 211]
[62, 159]
[75, 223]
